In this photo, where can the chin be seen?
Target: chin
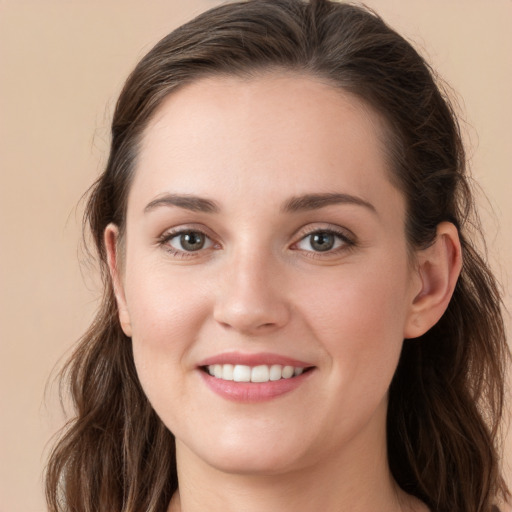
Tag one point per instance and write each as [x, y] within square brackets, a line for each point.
[253, 462]
[245, 456]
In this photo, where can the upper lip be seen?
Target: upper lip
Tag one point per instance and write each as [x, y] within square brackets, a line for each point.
[253, 360]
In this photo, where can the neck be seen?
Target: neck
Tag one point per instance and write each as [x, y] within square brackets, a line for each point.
[355, 479]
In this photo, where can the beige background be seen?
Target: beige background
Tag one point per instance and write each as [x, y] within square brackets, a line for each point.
[62, 63]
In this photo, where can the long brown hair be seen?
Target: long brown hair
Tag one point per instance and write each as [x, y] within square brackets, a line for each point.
[446, 398]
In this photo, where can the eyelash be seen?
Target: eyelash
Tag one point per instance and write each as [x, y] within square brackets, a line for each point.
[176, 253]
[347, 242]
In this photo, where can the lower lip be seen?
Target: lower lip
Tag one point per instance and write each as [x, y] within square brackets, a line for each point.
[250, 392]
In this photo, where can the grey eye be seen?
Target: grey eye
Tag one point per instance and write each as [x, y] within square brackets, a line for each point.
[321, 241]
[190, 241]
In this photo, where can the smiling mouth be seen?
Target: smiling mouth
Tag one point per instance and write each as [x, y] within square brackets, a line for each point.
[256, 374]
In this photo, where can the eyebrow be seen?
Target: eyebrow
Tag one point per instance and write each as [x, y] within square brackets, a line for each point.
[317, 201]
[294, 204]
[188, 202]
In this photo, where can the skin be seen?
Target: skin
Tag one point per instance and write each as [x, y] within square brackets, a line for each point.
[259, 285]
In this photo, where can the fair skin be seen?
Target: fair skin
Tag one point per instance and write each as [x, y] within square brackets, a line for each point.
[262, 228]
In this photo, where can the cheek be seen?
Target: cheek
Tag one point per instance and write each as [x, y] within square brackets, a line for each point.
[166, 314]
[163, 304]
[359, 317]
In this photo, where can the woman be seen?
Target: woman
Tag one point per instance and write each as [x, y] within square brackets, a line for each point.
[294, 316]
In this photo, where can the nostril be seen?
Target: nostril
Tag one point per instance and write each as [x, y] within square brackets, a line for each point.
[255, 327]
[250, 313]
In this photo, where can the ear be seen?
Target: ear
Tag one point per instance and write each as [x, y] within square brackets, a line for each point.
[438, 268]
[111, 240]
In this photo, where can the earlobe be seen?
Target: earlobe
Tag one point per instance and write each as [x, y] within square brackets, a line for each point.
[111, 241]
[438, 268]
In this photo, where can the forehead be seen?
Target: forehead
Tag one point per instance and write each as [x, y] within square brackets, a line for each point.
[262, 105]
[295, 132]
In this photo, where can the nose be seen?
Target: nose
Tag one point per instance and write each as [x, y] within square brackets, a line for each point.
[252, 296]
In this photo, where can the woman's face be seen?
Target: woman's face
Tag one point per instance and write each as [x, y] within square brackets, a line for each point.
[263, 232]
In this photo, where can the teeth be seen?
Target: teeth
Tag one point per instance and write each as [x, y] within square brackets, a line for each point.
[227, 371]
[288, 372]
[276, 372]
[242, 373]
[261, 373]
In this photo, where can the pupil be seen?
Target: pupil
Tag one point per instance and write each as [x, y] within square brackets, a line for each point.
[192, 241]
[322, 241]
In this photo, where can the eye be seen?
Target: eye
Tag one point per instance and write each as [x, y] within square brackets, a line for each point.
[323, 241]
[187, 241]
